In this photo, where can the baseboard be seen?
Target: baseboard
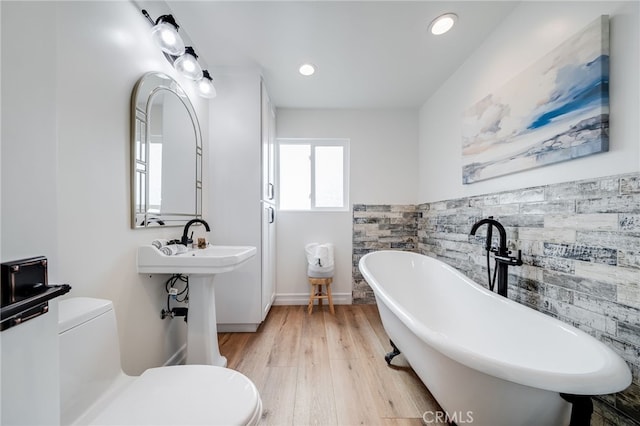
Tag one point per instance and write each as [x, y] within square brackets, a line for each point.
[303, 299]
[237, 328]
[179, 357]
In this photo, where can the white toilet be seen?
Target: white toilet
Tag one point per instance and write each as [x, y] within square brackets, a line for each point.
[95, 391]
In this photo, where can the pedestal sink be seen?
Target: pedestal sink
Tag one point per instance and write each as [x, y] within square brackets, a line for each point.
[201, 265]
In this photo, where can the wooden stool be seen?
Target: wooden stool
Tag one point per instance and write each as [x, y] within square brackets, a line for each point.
[316, 292]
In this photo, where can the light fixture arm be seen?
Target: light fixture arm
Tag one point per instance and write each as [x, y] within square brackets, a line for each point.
[146, 15]
[189, 50]
[169, 19]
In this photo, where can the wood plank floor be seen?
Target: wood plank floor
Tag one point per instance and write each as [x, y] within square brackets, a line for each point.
[324, 369]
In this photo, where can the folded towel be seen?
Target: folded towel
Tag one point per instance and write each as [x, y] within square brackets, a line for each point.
[159, 243]
[319, 260]
[173, 249]
[320, 255]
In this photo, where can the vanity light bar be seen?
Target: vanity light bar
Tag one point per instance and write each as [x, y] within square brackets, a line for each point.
[184, 59]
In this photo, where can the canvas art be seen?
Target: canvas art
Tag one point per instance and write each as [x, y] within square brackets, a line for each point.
[556, 110]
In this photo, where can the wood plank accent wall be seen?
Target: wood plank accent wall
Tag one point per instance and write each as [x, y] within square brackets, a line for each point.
[580, 245]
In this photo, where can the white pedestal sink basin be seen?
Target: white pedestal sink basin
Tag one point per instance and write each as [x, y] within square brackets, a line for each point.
[200, 265]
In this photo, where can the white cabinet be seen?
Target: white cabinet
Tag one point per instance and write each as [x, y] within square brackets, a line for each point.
[268, 258]
[241, 195]
[268, 117]
[268, 125]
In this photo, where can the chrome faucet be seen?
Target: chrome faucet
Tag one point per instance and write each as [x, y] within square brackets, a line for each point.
[500, 254]
[185, 238]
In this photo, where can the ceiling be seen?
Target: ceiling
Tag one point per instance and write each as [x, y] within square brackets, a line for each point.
[368, 54]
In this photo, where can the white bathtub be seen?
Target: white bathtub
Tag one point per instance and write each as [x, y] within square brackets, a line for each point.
[486, 359]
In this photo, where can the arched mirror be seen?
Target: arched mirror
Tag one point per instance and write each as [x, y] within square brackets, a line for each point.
[166, 154]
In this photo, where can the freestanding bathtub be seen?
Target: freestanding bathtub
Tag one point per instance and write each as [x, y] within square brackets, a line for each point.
[487, 360]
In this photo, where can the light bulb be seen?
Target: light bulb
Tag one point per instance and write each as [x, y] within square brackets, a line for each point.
[206, 87]
[307, 69]
[168, 37]
[188, 65]
[165, 35]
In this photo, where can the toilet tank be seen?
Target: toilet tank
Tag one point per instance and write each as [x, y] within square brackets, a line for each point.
[89, 354]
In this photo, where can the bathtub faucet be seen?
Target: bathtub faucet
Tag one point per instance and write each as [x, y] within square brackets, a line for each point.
[501, 254]
[502, 249]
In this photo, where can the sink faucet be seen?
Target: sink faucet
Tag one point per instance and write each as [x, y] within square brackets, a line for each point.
[185, 237]
[501, 254]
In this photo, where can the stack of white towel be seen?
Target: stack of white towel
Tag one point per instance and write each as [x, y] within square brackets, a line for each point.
[168, 249]
[319, 260]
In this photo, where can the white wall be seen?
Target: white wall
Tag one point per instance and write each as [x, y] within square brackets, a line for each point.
[29, 142]
[68, 70]
[531, 31]
[383, 170]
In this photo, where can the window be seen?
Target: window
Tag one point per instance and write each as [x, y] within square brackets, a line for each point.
[313, 174]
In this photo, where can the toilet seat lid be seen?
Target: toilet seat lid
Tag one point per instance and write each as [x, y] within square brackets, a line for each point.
[185, 395]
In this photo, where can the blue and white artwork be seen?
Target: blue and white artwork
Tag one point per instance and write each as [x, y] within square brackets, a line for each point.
[556, 110]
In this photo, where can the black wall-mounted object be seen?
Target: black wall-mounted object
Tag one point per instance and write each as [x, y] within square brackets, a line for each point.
[25, 291]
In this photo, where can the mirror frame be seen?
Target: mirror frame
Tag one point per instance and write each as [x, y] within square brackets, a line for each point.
[141, 102]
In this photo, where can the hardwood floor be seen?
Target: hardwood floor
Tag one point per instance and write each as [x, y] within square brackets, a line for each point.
[324, 369]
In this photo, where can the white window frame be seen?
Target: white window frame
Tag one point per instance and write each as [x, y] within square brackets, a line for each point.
[316, 142]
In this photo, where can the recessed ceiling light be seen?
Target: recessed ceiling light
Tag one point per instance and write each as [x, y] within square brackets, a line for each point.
[443, 23]
[307, 69]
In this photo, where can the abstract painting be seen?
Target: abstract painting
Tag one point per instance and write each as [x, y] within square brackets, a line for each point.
[556, 110]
